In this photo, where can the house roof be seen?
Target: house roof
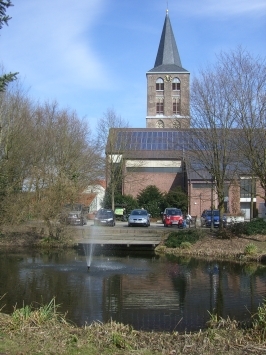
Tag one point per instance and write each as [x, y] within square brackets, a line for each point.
[124, 140]
[153, 155]
[167, 59]
[147, 139]
[87, 198]
[101, 183]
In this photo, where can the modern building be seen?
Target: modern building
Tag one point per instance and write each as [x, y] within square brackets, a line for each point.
[155, 155]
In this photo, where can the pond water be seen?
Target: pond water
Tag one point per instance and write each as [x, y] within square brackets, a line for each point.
[149, 292]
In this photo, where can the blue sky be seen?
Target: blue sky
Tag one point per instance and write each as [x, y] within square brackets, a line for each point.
[93, 55]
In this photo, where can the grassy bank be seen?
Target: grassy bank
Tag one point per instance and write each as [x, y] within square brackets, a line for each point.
[45, 331]
[241, 242]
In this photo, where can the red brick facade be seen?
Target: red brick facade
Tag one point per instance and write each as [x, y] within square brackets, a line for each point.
[135, 182]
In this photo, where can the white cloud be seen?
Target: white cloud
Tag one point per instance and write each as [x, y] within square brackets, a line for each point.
[51, 38]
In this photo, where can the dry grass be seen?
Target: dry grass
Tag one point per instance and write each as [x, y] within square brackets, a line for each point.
[223, 337]
[214, 247]
[34, 234]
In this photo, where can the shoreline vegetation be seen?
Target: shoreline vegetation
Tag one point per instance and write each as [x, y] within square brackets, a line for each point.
[46, 331]
[241, 242]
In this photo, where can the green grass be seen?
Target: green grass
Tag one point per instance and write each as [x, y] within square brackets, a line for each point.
[28, 315]
[259, 322]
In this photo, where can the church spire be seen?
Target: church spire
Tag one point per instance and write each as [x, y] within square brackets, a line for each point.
[168, 59]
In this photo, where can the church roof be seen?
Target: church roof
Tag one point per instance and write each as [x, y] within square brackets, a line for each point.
[168, 59]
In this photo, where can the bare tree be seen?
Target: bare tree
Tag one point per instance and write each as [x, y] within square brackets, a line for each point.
[110, 119]
[228, 116]
[64, 161]
[247, 77]
[48, 157]
[15, 108]
[211, 150]
[113, 147]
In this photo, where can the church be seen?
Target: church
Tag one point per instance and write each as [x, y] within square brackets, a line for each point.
[155, 155]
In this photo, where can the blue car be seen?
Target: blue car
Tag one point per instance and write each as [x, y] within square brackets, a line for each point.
[211, 215]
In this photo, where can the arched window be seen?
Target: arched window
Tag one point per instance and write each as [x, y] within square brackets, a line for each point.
[175, 84]
[159, 107]
[159, 84]
[176, 106]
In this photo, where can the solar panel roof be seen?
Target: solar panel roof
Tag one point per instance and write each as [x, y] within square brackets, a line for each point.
[152, 140]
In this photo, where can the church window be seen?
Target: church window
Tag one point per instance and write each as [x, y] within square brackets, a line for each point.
[176, 107]
[175, 84]
[159, 84]
[159, 107]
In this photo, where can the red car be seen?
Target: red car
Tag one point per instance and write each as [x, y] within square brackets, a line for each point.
[173, 216]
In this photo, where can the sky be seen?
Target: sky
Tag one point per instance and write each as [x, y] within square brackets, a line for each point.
[92, 55]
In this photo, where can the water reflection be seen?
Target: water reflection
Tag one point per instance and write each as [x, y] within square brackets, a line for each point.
[147, 291]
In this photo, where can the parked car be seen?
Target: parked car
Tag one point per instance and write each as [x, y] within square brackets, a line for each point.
[76, 218]
[172, 216]
[139, 217]
[209, 215]
[104, 217]
[75, 214]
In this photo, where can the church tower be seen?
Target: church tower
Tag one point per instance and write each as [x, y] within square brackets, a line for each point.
[168, 86]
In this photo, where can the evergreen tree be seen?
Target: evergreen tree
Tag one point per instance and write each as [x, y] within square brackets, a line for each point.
[177, 198]
[6, 78]
[151, 198]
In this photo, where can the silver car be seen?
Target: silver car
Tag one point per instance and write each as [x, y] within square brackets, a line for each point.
[139, 217]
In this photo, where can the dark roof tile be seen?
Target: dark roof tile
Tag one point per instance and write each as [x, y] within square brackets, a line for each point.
[167, 59]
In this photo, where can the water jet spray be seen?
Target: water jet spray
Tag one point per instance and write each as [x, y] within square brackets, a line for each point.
[88, 250]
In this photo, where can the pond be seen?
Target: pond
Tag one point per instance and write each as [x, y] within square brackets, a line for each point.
[149, 292]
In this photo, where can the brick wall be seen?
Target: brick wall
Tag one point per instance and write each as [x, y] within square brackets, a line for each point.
[167, 96]
[135, 182]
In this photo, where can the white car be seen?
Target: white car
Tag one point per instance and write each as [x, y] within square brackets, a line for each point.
[139, 217]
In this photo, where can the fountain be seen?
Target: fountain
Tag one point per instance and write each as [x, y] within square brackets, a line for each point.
[88, 250]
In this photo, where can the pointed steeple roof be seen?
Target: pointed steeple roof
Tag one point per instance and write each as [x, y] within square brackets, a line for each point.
[168, 59]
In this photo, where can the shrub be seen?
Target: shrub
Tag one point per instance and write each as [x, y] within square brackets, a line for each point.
[30, 316]
[185, 245]
[225, 233]
[250, 249]
[237, 229]
[175, 239]
[256, 226]
[259, 323]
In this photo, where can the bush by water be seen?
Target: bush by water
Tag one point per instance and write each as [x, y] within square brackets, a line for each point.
[177, 238]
